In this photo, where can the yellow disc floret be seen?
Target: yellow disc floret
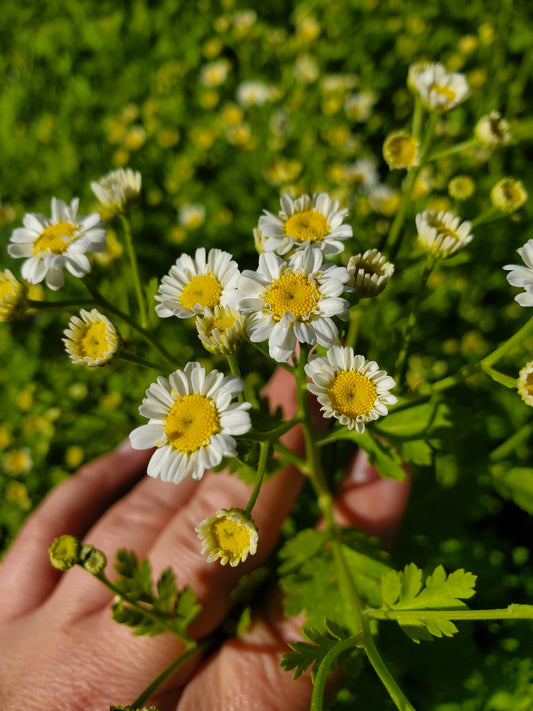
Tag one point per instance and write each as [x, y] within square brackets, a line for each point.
[448, 93]
[191, 422]
[307, 225]
[95, 342]
[292, 293]
[204, 289]
[231, 537]
[54, 239]
[352, 394]
[442, 230]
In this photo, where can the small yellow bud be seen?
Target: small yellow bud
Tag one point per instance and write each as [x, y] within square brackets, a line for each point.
[92, 559]
[400, 150]
[65, 552]
[461, 187]
[508, 195]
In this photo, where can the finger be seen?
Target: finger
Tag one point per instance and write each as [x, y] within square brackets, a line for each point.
[26, 575]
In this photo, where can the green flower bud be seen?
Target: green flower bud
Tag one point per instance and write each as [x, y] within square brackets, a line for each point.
[92, 559]
[65, 552]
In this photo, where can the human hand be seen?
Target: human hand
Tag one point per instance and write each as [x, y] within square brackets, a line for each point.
[59, 645]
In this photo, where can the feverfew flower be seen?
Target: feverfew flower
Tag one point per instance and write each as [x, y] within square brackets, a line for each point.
[192, 285]
[192, 422]
[60, 242]
[293, 301]
[523, 276]
[400, 150]
[442, 234]
[119, 190]
[508, 195]
[215, 73]
[91, 340]
[13, 294]
[307, 221]
[230, 535]
[252, 93]
[349, 387]
[363, 173]
[525, 383]
[191, 216]
[492, 130]
[439, 90]
[221, 330]
[358, 107]
[369, 273]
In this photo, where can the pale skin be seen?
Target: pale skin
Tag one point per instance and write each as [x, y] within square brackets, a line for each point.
[59, 647]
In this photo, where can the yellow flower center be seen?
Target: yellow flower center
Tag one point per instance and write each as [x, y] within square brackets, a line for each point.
[449, 94]
[94, 343]
[54, 239]
[230, 537]
[204, 289]
[527, 383]
[306, 225]
[352, 394]
[294, 293]
[368, 267]
[191, 422]
[400, 151]
[7, 289]
[221, 323]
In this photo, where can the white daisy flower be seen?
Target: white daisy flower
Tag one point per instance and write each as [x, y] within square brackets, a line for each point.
[315, 221]
[92, 339]
[252, 93]
[192, 422]
[13, 296]
[60, 242]
[192, 285]
[119, 190]
[349, 387]
[230, 535]
[442, 234]
[363, 173]
[221, 330]
[293, 301]
[369, 273]
[440, 90]
[523, 276]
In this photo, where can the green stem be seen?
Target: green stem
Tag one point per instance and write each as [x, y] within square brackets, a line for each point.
[401, 363]
[134, 270]
[131, 358]
[501, 378]
[418, 114]
[513, 612]
[317, 698]
[510, 445]
[393, 237]
[233, 364]
[261, 469]
[444, 152]
[273, 434]
[290, 457]
[167, 671]
[496, 355]
[141, 608]
[105, 304]
[353, 328]
[489, 214]
[49, 305]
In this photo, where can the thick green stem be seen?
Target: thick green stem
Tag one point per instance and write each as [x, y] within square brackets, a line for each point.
[496, 355]
[317, 698]
[510, 445]
[261, 469]
[134, 270]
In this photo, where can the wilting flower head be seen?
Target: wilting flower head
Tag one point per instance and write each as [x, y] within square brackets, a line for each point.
[119, 190]
[492, 130]
[400, 150]
[307, 221]
[92, 339]
[508, 195]
[439, 90]
[442, 234]
[13, 293]
[221, 330]
[56, 243]
[523, 276]
[230, 535]
[293, 301]
[369, 273]
[192, 285]
[349, 387]
[192, 422]
[525, 383]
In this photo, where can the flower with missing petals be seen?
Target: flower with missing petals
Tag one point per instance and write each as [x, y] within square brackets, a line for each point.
[522, 276]
[369, 273]
[293, 301]
[192, 422]
[13, 301]
[192, 285]
[307, 221]
[92, 339]
[441, 233]
[492, 130]
[119, 190]
[56, 243]
[508, 195]
[229, 536]
[349, 387]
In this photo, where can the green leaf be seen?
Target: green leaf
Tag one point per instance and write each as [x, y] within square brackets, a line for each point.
[311, 653]
[418, 452]
[425, 421]
[516, 484]
[380, 453]
[403, 590]
[166, 610]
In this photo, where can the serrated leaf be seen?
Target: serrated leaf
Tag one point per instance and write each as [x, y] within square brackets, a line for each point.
[417, 452]
[307, 654]
[403, 590]
[516, 484]
[380, 453]
[424, 421]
